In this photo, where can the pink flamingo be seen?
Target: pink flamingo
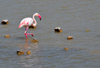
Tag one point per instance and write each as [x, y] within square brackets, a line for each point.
[26, 22]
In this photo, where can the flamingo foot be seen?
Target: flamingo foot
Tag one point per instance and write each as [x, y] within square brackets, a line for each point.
[25, 34]
[28, 34]
[32, 35]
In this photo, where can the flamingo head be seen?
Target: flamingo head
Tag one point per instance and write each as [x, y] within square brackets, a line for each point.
[37, 14]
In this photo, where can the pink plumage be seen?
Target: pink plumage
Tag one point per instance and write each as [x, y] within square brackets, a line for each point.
[26, 22]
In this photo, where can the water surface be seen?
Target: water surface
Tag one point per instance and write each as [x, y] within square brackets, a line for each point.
[73, 16]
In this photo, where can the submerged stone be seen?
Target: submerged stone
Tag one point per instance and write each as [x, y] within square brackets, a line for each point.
[28, 52]
[87, 30]
[7, 36]
[69, 37]
[34, 40]
[65, 48]
[20, 52]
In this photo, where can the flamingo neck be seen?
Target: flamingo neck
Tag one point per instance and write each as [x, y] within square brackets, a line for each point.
[35, 22]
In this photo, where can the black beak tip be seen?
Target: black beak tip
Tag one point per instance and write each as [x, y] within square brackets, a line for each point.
[40, 18]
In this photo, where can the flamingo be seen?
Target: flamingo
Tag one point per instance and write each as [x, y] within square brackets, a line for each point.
[26, 22]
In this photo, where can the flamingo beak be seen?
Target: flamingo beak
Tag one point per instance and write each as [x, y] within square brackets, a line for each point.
[39, 17]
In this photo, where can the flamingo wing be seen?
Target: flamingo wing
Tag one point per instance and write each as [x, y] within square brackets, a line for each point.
[26, 22]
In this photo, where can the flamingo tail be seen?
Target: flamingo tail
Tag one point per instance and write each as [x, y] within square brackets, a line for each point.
[21, 24]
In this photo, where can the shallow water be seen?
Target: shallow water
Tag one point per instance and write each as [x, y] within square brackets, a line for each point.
[73, 16]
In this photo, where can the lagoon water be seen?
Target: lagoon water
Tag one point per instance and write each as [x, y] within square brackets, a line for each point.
[73, 16]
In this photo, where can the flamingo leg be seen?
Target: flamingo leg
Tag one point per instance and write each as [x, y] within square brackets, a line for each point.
[26, 28]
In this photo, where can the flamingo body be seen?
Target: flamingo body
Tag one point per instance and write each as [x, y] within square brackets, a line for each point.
[26, 22]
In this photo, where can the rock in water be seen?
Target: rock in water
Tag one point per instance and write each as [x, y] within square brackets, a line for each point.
[65, 48]
[31, 27]
[69, 37]
[34, 40]
[7, 36]
[28, 52]
[58, 29]
[20, 52]
[4, 22]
